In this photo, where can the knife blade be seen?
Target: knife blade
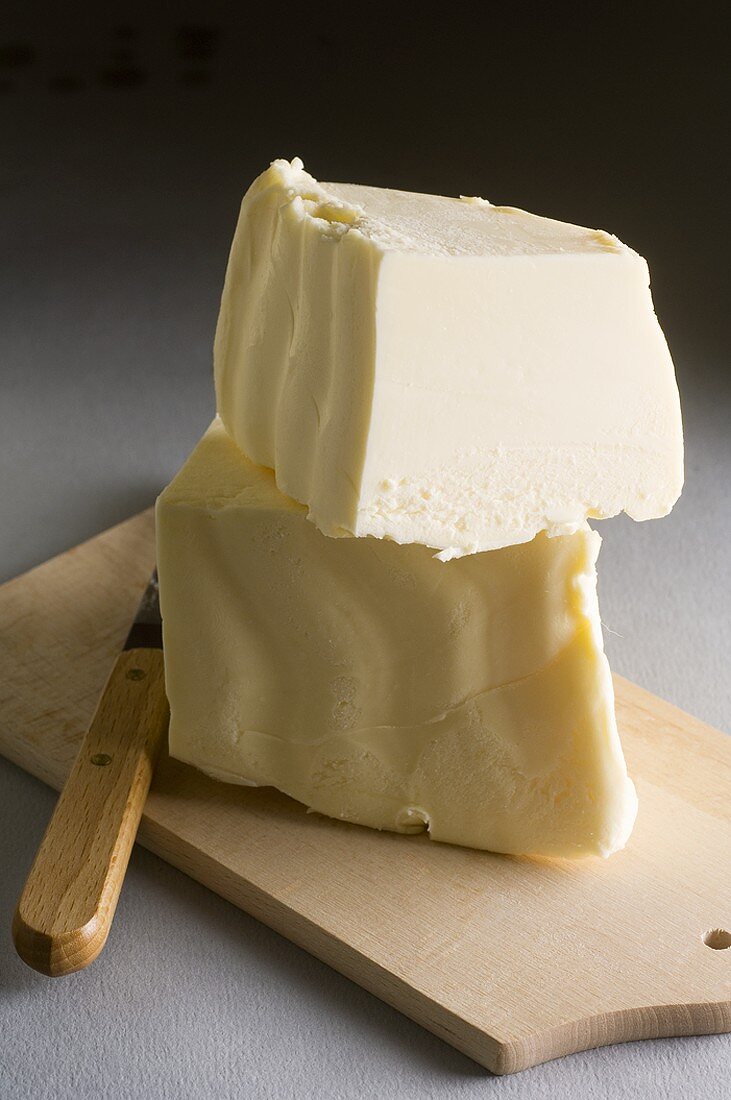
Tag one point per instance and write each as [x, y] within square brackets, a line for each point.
[146, 629]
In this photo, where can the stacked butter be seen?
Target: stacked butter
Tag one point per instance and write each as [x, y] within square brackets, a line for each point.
[377, 578]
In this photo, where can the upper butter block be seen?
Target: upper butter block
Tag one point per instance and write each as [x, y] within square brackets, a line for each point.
[443, 371]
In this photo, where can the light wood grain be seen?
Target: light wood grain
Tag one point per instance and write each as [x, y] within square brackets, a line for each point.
[66, 909]
[512, 961]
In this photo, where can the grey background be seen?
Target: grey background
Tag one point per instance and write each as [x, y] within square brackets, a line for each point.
[128, 138]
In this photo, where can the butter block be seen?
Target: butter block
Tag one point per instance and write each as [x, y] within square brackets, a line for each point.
[380, 686]
[443, 371]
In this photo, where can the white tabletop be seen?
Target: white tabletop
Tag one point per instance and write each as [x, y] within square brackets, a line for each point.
[118, 201]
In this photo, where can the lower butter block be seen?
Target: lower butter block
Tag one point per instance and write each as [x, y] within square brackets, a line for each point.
[380, 686]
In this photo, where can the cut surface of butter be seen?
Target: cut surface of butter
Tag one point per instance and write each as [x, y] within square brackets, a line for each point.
[442, 371]
[380, 686]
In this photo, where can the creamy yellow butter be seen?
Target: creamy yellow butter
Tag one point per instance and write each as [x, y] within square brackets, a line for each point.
[378, 685]
[443, 371]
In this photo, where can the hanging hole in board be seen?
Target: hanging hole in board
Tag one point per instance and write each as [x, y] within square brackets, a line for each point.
[718, 939]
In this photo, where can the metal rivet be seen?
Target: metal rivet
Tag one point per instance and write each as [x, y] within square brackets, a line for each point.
[136, 674]
[101, 759]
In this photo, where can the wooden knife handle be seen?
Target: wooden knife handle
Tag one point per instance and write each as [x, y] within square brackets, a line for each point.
[66, 908]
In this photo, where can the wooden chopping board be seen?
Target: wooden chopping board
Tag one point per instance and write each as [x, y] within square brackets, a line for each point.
[512, 961]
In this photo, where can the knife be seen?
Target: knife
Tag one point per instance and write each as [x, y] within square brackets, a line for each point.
[66, 908]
